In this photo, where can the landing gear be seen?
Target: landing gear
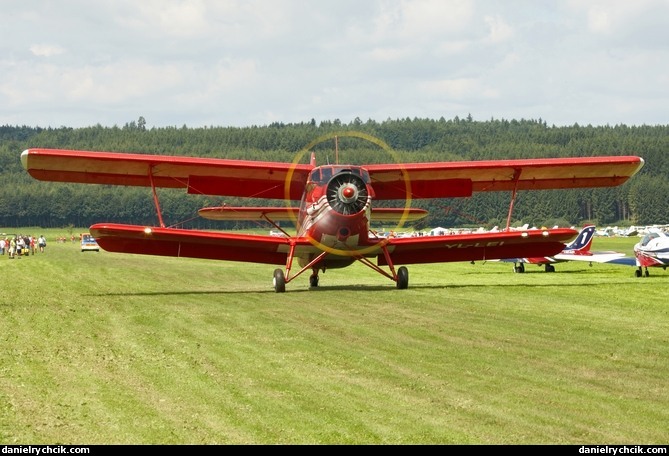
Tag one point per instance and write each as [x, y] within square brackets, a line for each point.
[402, 278]
[640, 272]
[281, 278]
[549, 268]
[520, 268]
[279, 281]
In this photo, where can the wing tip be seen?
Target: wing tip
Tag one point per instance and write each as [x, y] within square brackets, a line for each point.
[24, 159]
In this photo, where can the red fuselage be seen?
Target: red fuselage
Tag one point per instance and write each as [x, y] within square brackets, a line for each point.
[335, 212]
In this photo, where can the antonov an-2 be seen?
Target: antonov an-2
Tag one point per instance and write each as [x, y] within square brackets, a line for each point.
[331, 207]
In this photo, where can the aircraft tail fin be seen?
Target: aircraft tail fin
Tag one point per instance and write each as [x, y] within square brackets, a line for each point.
[583, 241]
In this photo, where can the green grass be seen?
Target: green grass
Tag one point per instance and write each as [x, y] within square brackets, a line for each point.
[113, 348]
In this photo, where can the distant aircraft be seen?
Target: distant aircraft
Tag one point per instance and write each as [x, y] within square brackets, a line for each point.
[615, 231]
[577, 250]
[335, 211]
[652, 251]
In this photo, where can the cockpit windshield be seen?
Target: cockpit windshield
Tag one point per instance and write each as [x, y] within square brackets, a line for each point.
[649, 237]
[323, 174]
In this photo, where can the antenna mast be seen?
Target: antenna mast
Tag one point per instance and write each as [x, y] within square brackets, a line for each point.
[336, 150]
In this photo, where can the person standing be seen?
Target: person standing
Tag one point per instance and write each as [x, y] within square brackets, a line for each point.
[12, 248]
[20, 245]
[41, 243]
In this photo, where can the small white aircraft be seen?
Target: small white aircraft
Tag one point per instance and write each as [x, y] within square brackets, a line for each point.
[577, 250]
[652, 251]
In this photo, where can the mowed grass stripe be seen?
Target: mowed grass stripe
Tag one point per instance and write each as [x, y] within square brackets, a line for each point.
[112, 348]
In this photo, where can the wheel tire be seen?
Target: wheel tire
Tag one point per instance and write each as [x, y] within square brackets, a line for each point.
[313, 281]
[279, 281]
[402, 278]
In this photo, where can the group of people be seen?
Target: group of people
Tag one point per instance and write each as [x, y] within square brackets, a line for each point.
[21, 245]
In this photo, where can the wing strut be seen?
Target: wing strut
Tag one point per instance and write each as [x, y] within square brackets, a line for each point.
[392, 275]
[289, 263]
[516, 178]
[276, 225]
[155, 198]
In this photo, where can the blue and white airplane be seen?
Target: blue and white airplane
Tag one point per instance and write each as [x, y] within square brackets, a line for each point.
[576, 250]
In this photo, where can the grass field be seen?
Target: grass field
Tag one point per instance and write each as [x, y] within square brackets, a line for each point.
[104, 348]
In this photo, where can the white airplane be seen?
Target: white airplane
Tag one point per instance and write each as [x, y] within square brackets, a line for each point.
[577, 250]
[652, 251]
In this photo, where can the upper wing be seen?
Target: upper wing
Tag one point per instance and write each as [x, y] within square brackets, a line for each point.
[245, 178]
[477, 246]
[207, 176]
[436, 180]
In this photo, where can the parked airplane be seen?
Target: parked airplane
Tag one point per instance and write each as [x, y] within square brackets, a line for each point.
[577, 250]
[652, 251]
[615, 231]
[333, 219]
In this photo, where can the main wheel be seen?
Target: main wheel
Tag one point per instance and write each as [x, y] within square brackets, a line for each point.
[402, 278]
[313, 281]
[279, 281]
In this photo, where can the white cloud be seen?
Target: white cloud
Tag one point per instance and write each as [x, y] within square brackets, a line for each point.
[234, 62]
[499, 29]
[427, 19]
[46, 50]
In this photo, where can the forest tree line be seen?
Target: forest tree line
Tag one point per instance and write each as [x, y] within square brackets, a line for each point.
[643, 200]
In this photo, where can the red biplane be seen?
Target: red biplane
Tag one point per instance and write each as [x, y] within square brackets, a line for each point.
[333, 218]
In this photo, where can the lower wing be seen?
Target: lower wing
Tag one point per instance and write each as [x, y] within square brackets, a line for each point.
[477, 246]
[276, 250]
[290, 214]
[198, 244]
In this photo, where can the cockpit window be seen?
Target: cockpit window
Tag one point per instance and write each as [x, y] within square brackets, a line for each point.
[323, 174]
[649, 237]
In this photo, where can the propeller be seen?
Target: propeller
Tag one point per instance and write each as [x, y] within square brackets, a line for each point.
[347, 193]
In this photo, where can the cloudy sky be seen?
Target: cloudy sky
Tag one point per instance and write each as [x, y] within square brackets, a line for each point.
[201, 63]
